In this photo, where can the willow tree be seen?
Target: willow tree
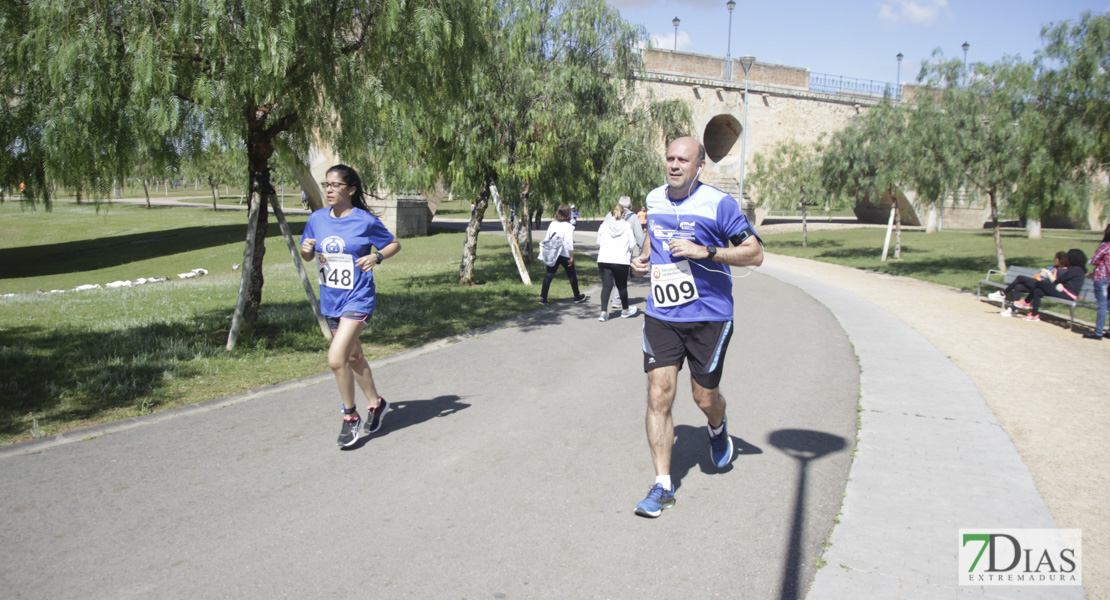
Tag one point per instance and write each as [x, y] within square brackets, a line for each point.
[635, 164]
[84, 75]
[789, 176]
[1071, 91]
[546, 98]
[982, 115]
[871, 157]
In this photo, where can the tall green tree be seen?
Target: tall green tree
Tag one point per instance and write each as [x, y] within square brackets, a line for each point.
[540, 113]
[789, 176]
[982, 116]
[870, 158]
[216, 163]
[635, 166]
[82, 76]
[1071, 97]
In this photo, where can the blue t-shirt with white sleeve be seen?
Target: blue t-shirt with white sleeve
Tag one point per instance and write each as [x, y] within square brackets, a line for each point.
[686, 289]
[339, 242]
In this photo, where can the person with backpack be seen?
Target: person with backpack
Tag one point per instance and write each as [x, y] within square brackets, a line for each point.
[557, 249]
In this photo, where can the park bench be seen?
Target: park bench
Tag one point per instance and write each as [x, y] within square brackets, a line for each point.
[1086, 297]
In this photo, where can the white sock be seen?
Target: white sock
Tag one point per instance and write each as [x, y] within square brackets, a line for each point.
[718, 430]
[664, 480]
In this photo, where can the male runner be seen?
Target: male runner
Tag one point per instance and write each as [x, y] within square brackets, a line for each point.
[689, 310]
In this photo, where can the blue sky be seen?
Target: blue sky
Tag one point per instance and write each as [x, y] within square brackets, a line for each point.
[855, 38]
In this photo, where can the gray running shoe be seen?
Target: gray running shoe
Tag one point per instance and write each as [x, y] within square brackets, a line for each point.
[349, 433]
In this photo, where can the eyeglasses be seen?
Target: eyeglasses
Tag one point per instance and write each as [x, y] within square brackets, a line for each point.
[330, 185]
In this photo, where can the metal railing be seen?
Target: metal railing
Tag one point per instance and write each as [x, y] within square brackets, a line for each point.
[850, 86]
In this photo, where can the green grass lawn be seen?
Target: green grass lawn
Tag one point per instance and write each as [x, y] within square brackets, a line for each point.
[459, 209]
[956, 258]
[80, 358]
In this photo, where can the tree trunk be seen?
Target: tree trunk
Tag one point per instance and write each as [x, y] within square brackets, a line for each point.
[261, 190]
[215, 193]
[524, 227]
[931, 223]
[805, 234]
[244, 280]
[473, 228]
[997, 231]
[509, 234]
[146, 192]
[1033, 228]
[897, 228]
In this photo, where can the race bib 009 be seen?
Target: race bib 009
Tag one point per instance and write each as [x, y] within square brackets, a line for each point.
[336, 270]
[673, 285]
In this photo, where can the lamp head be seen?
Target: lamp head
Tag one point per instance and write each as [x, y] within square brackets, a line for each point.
[966, 46]
[731, 5]
[675, 22]
[899, 57]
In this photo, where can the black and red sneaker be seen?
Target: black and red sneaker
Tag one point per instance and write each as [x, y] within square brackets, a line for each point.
[375, 414]
[349, 433]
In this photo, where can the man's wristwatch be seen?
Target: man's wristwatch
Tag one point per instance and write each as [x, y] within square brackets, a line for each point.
[380, 257]
[712, 250]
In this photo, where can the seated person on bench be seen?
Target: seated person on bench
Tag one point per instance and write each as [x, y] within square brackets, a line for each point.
[1063, 281]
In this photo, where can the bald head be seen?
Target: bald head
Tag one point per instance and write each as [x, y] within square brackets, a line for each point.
[685, 158]
[688, 144]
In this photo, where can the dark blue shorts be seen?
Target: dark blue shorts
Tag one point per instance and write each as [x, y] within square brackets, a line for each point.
[333, 323]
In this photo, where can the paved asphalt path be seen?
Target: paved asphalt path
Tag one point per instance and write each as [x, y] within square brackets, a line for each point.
[509, 468]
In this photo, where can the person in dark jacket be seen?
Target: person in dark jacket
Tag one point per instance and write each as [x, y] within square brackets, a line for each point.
[1023, 285]
[1066, 284]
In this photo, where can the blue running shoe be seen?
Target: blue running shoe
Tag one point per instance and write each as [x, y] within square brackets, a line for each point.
[720, 446]
[657, 499]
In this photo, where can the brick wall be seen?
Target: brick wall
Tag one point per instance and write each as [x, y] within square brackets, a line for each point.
[713, 67]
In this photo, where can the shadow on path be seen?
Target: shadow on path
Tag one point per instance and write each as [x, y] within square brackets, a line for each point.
[691, 449]
[413, 412]
[804, 446]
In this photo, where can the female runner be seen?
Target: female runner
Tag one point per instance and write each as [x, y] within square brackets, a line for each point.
[342, 238]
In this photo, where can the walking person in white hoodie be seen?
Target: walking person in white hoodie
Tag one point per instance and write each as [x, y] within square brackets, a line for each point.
[637, 230]
[616, 242]
[560, 243]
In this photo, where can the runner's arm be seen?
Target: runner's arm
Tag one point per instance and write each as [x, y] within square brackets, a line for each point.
[748, 254]
[371, 260]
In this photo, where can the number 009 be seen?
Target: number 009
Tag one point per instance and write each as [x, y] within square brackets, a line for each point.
[670, 293]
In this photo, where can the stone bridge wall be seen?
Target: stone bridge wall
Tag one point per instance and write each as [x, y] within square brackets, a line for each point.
[781, 108]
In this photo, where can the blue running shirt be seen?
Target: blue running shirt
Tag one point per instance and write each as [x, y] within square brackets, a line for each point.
[355, 235]
[707, 217]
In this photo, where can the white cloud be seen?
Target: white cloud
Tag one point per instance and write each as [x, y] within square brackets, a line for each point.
[914, 12]
[667, 41]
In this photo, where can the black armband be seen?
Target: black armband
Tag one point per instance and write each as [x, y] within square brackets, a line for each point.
[744, 235]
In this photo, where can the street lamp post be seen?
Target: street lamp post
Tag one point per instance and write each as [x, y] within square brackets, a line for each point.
[675, 22]
[965, 46]
[746, 63]
[898, 80]
[728, 54]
